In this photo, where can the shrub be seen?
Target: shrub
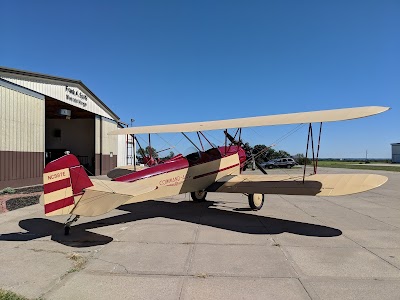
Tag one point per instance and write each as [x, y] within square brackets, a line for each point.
[7, 190]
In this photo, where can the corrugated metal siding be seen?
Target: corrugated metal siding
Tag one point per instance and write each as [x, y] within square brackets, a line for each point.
[17, 166]
[109, 142]
[22, 122]
[59, 92]
[21, 138]
[97, 129]
[396, 153]
[104, 145]
[97, 144]
[396, 149]
[122, 153]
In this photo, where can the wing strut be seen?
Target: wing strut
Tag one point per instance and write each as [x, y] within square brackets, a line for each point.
[232, 140]
[319, 143]
[150, 152]
[191, 141]
[314, 157]
[141, 150]
[213, 146]
[198, 135]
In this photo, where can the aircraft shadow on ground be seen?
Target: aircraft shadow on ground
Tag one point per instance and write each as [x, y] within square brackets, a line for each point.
[205, 213]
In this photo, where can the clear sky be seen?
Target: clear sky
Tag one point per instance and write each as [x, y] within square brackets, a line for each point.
[182, 61]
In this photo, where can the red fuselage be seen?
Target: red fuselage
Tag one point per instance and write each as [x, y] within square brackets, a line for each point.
[181, 162]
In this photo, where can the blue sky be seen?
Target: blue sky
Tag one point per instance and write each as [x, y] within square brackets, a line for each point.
[181, 61]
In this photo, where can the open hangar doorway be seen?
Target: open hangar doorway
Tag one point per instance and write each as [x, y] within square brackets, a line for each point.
[69, 128]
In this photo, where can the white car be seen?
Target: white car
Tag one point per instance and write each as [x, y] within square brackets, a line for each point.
[286, 162]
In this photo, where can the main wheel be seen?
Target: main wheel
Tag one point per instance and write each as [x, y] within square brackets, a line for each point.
[289, 166]
[256, 201]
[199, 196]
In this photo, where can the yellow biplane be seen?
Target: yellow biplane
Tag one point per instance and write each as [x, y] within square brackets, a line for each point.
[69, 191]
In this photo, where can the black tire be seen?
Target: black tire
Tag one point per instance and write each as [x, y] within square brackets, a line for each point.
[270, 167]
[256, 201]
[66, 230]
[199, 196]
[288, 166]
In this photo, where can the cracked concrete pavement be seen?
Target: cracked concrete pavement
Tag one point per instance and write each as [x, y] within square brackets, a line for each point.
[296, 247]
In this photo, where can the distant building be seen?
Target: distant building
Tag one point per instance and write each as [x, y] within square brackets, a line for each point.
[396, 153]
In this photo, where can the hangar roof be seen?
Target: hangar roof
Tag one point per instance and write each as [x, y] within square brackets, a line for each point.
[55, 79]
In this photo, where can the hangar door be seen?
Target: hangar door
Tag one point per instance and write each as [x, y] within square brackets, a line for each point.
[69, 128]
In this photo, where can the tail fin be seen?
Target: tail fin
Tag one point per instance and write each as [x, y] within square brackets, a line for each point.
[63, 180]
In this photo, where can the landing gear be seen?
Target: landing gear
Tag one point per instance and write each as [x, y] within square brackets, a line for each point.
[199, 196]
[67, 225]
[256, 201]
[66, 230]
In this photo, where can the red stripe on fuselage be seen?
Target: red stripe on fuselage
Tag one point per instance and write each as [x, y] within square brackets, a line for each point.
[58, 204]
[167, 167]
[56, 185]
[213, 172]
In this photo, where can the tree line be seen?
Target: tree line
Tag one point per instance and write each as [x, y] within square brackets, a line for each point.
[261, 154]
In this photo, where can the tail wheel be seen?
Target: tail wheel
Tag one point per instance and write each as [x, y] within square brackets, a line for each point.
[199, 196]
[256, 201]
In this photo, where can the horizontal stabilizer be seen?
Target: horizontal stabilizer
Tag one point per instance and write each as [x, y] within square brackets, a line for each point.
[314, 185]
[106, 195]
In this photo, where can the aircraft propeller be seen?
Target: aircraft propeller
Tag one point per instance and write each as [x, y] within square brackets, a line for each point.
[246, 148]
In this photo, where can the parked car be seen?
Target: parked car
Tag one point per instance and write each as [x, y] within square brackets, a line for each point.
[268, 164]
[285, 162]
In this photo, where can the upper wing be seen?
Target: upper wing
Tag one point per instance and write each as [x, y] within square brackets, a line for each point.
[294, 118]
[106, 195]
[314, 185]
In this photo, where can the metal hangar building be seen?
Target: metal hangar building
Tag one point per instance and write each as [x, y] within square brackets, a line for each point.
[396, 153]
[42, 117]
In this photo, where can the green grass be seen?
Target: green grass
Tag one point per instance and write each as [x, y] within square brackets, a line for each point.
[356, 165]
[7, 190]
[7, 295]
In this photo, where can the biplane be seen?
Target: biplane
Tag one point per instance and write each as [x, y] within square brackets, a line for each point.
[69, 191]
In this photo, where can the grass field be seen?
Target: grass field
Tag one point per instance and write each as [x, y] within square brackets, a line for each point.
[357, 165]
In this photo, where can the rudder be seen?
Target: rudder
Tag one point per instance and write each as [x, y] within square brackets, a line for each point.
[63, 182]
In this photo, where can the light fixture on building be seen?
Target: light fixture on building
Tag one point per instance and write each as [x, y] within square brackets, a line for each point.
[65, 113]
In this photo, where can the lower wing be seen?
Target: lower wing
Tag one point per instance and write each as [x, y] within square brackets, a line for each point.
[313, 185]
